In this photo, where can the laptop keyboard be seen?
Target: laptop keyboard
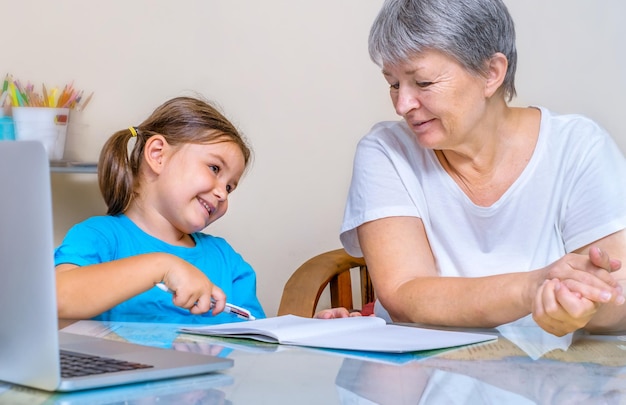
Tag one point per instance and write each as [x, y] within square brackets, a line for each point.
[80, 365]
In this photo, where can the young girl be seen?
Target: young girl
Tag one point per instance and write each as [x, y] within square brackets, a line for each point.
[163, 182]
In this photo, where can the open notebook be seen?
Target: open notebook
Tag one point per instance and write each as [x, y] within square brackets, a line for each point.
[30, 343]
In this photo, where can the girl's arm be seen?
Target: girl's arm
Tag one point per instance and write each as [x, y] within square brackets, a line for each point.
[84, 292]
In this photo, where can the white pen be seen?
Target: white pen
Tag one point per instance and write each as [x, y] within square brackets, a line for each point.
[230, 308]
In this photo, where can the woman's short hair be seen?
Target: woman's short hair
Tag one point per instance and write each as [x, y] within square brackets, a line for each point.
[471, 31]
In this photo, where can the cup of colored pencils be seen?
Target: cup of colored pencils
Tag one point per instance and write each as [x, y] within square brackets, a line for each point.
[25, 95]
[42, 116]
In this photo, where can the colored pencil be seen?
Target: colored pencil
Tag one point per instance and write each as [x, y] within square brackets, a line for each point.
[27, 96]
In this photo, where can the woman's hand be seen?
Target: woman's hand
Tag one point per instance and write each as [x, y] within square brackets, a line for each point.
[559, 311]
[584, 284]
[588, 275]
[335, 313]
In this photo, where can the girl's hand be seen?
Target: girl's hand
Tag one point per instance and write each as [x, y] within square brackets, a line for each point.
[192, 289]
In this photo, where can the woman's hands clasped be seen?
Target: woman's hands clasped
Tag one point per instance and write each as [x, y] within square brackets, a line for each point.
[574, 289]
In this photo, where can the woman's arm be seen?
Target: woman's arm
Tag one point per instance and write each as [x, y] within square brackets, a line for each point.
[403, 271]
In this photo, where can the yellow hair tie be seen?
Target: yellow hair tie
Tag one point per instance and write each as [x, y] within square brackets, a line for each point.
[133, 131]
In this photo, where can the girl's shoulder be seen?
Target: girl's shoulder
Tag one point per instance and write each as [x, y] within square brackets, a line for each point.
[105, 223]
[206, 239]
[105, 220]
[112, 228]
[205, 242]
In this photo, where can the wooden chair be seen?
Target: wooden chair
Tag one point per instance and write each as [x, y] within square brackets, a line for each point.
[305, 286]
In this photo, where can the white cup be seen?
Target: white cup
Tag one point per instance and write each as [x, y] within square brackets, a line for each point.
[45, 124]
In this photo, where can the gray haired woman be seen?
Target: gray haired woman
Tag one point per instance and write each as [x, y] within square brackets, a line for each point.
[471, 212]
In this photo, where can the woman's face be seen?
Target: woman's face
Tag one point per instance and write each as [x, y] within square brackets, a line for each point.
[441, 101]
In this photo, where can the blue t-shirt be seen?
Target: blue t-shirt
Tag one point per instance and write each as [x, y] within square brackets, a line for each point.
[105, 238]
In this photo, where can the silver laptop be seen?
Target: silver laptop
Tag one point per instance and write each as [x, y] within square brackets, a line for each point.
[30, 343]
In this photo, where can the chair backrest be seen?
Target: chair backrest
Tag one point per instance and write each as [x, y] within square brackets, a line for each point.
[305, 286]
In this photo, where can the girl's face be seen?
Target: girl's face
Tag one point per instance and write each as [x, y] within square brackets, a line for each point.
[439, 99]
[196, 181]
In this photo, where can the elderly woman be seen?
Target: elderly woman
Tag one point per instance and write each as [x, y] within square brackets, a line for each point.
[470, 212]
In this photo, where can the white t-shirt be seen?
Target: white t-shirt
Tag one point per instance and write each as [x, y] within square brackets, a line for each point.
[572, 192]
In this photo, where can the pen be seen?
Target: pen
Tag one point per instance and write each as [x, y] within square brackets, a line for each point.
[230, 308]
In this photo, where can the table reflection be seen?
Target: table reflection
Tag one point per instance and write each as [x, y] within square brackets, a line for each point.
[591, 371]
[203, 389]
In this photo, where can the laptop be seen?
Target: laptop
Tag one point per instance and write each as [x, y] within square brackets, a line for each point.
[30, 342]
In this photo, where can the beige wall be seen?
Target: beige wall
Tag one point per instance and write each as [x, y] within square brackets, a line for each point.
[296, 78]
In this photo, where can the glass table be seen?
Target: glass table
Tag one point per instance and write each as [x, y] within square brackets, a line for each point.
[592, 370]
